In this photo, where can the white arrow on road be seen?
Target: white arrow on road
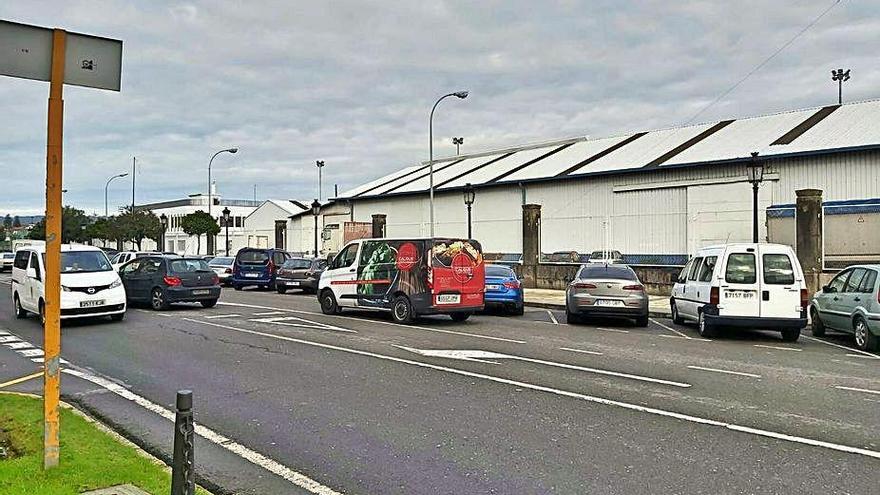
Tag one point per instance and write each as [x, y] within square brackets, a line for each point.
[482, 356]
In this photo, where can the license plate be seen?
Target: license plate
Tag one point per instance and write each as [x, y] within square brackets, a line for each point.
[608, 302]
[252, 275]
[739, 294]
[91, 304]
[493, 287]
[448, 299]
[293, 283]
[201, 292]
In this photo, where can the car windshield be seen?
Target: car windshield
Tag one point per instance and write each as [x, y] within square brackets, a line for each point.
[253, 257]
[188, 266]
[83, 262]
[598, 255]
[615, 272]
[8, 256]
[499, 271]
[222, 261]
[297, 264]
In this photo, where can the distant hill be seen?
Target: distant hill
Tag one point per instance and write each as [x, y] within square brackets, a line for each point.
[25, 219]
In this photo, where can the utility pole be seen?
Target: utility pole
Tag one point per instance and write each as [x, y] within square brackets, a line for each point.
[133, 175]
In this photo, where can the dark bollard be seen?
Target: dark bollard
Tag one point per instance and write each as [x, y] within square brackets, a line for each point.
[182, 467]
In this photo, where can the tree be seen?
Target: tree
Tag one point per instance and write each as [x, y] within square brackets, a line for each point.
[7, 221]
[73, 226]
[137, 226]
[16, 222]
[198, 224]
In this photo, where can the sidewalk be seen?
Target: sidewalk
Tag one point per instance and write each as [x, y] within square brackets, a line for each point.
[555, 299]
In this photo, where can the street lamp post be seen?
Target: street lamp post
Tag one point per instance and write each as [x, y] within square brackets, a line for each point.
[469, 196]
[320, 164]
[755, 176]
[457, 141]
[841, 77]
[106, 186]
[226, 213]
[457, 94]
[163, 219]
[210, 199]
[316, 210]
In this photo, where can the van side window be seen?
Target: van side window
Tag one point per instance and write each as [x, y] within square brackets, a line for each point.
[777, 269]
[741, 268]
[682, 276]
[837, 283]
[707, 269]
[868, 282]
[852, 285]
[692, 275]
[21, 260]
[346, 257]
[35, 264]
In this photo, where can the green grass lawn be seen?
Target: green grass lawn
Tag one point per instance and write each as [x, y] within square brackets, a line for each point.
[90, 458]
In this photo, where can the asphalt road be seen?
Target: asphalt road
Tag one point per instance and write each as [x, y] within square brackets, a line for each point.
[355, 404]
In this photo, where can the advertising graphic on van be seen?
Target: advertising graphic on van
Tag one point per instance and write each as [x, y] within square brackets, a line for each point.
[387, 267]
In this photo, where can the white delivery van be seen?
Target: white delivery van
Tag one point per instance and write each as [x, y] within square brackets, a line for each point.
[89, 285]
[747, 285]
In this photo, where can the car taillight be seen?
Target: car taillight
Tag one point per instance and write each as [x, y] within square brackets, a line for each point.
[430, 279]
[215, 279]
[634, 287]
[171, 281]
[714, 296]
[271, 267]
[582, 285]
[805, 299]
[512, 284]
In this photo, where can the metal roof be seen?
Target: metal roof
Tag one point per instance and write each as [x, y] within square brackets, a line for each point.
[809, 131]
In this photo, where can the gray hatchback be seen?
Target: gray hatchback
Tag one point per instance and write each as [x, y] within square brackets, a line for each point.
[849, 303]
[606, 290]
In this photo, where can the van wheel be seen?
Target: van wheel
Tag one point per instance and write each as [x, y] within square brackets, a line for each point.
[19, 311]
[459, 316]
[791, 334]
[210, 303]
[676, 318]
[865, 340]
[42, 307]
[281, 289]
[707, 330]
[818, 328]
[401, 310]
[328, 303]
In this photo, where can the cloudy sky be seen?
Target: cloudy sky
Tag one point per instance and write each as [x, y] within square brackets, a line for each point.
[352, 83]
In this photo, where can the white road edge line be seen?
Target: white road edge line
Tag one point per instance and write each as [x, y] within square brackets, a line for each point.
[716, 370]
[575, 395]
[552, 318]
[778, 347]
[853, 389]
[582, 351]
[865, 353]
[249, 455]
[671, 329]
[861, 356]
[501, 339]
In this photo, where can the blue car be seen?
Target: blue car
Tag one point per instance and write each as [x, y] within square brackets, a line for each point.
[503, 289]
[257, 267]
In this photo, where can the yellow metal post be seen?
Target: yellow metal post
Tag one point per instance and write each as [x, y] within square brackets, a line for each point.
[51, 308]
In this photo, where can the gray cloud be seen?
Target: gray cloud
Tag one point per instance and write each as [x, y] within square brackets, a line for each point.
[351, 82]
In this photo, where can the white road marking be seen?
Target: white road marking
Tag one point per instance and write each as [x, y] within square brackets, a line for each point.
[18, 345]
[30, 353]
[227, 443]
[685, 338]
[671, 329]
[462, 355]
[575, 395]
[362, 320]
[611, 330]
[269, 313]
[552, 318]
[218, 317]
[582, 351]
[864, 353]
[862, 356]
[294, 321]
[716, 370]
[9, 338]
[778, 347]
[853, 389]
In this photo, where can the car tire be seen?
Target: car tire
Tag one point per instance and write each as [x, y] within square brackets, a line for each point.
[329, 306]
[572, 318]
[281, 289]
[237, 287]
[791, 334]
[818, 327]
[117, 317]
[210, 303]
[19, 311]
[706, 329]
[865, 340]
[642, 321]
[519, 310]
[676, 318]
[401, 310]
[158, 300]
[42, 312]
[459, 316]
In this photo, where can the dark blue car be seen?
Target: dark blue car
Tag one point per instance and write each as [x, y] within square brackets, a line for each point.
[503, 289]
[257, 267]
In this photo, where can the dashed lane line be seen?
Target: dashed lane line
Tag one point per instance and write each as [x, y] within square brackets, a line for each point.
[582, 351]
[218, 317]
[716, 370]
[780, 348]
[854, 389]
[616, 330]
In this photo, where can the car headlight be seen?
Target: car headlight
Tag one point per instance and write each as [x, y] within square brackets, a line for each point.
[116, 283]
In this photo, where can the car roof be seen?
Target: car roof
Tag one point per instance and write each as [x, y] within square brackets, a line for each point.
[873, 266]
[41, 248]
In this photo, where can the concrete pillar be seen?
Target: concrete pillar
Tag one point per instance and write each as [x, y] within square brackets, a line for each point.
[808, 219]
[531, 244]
[379, 225]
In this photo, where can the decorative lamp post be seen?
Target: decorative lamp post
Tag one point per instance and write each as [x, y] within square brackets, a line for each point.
[458, 94]
[469, 196]
[163, 219]
[320, 165]
[841, 76]
[226, 213]
[755, 176]
[316, 210]
[457, 141]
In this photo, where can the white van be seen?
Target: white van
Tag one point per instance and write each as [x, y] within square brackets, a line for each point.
[89, 285]
[720, 287]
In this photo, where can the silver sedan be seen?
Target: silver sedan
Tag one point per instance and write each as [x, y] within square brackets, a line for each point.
[606, 290]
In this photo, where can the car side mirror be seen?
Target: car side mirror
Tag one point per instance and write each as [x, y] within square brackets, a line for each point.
[31, 273]
[827, 289]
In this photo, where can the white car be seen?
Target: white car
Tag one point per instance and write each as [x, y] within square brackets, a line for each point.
[748, 285]
[6, 261]
[124, 257]
[89, 285]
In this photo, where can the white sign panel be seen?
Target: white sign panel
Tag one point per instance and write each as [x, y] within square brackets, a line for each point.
[90, 61]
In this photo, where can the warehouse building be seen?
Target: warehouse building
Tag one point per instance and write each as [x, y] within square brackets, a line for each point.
[656, 195]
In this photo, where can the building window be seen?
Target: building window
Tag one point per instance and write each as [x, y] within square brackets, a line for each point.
[239, 221]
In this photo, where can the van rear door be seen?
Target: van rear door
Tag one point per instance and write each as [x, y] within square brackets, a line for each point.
[738, 291]
[781, 283]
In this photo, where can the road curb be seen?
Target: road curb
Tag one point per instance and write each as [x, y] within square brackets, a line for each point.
[561, 307]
